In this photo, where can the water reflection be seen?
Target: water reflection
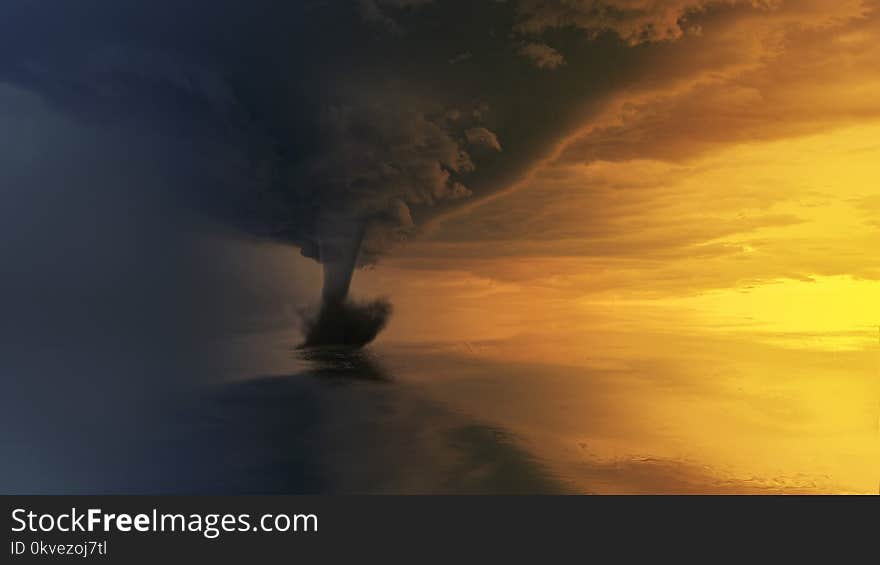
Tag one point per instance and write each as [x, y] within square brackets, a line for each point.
[304, 433]
[437, 419]
[703, 416]
[344, 364]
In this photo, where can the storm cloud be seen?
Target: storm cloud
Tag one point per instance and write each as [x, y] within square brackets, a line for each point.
[304, 124]
[336, 127]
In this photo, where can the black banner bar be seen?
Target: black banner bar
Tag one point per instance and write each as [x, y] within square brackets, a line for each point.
[150, 529]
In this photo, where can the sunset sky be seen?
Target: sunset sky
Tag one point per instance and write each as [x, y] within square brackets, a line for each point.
[720, 211]
[668, 208]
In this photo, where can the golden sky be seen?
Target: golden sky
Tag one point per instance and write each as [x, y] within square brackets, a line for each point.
[712, 232]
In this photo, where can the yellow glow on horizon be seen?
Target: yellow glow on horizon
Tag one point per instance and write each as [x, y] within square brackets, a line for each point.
[753, 353]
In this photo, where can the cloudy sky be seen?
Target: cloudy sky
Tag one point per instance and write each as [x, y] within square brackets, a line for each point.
[713, 214]
[603, 183]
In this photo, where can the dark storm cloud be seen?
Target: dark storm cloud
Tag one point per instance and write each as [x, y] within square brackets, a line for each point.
[308, 123]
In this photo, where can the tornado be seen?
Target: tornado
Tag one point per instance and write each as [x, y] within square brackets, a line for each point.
[341, 322]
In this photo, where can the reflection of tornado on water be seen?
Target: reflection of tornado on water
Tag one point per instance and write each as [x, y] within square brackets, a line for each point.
[342, 425]
[344, 363]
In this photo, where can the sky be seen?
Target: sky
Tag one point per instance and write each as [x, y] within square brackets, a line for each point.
[725, 202]
[678, 188]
